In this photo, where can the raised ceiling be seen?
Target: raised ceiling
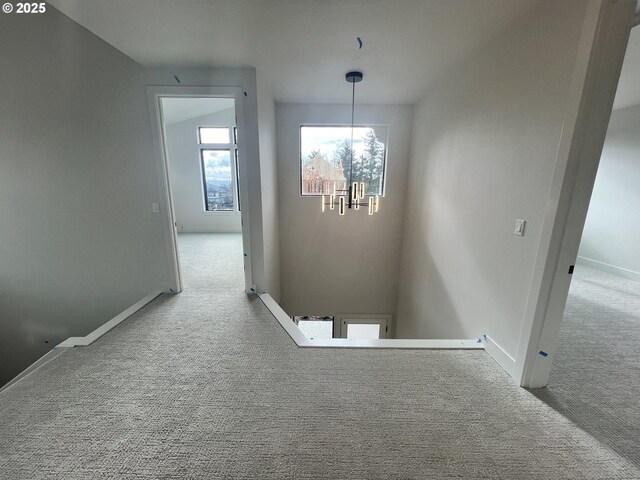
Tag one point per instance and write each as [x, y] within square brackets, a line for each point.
[178, 109]
[303, 48]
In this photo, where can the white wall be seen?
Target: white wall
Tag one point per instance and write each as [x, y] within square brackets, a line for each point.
[483, 155]
[185, 175]
[269, 185]
[611, 236]
[335, 264]
[79, 242]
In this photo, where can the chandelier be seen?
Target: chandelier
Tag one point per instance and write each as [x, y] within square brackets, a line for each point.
[354, 196]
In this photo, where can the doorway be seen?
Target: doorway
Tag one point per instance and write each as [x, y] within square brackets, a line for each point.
[199, 137]
[594, 379]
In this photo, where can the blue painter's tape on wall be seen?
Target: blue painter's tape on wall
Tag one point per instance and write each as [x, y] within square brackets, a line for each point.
[544, 354]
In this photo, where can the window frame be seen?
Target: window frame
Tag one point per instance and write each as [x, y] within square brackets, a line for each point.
[335, 125]
[232, 148]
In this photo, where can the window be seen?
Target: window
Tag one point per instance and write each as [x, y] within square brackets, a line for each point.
[315, 326]
[219, 159]
[325, 158]
[364, 327]
[214, 134]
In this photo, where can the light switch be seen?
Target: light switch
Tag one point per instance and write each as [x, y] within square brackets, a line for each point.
[155, 207]
[519, 230]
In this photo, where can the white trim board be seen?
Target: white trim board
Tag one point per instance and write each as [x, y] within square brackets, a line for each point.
[301, 341]
[502, 358]
[83, 341]
[115, 321]
[607, 267]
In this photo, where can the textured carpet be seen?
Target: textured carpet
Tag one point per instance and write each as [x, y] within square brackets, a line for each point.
[595, 379]
[206, 384]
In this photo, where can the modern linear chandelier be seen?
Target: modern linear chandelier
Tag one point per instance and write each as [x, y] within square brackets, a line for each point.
[354, 196]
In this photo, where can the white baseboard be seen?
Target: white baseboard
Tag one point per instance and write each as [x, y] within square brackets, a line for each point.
[83, 341]
[501, 357]
[115, 321]
[607, 267]
[283, 319]
[301, 341]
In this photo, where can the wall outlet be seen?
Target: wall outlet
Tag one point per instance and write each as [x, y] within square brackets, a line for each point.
[519, 229]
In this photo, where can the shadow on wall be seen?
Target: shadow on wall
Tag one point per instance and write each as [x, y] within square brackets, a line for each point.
[595, 377]
[443, 320]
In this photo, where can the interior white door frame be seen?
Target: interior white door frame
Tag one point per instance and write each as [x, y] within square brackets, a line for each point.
[601, 51]
[154, 94]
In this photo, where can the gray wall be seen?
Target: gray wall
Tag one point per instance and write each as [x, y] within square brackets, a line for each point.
[335, 264]
[185, 175]
[611, 237]
[79, 242]
[483, 155]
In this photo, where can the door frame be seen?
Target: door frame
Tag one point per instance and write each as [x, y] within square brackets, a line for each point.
[601, 52]
[154, 94]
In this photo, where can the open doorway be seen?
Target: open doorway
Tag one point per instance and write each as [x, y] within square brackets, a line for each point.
[594, 378]
[199, 135]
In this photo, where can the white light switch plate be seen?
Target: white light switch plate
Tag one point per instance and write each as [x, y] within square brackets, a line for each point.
[519, 230]
[155, 207]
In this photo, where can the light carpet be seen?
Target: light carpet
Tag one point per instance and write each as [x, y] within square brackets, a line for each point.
[595, 379]
[206, 384]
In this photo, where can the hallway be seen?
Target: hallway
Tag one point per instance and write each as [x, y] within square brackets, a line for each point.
[595, 379]
[206, 384]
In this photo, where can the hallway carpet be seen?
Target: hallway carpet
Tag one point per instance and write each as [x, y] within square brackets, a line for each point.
[595, 379]
[206, 384]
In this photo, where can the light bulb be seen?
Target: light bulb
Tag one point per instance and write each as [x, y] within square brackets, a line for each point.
[361, 190]
[332, 201]
[377, 203]
[370, 205]
[354, 191]
[341, 207]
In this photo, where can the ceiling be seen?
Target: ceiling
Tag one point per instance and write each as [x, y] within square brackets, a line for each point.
[303, 48]
[176, 109]
[628, 92]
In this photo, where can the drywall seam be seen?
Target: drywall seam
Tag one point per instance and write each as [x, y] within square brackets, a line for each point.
[607, 267]
[301, 341]
[502, 358]
[115, 321]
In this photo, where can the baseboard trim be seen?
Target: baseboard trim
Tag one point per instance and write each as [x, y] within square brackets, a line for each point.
[46, 358]
[607, 267]
[114, 322]
[502, 358]
[283, 319]
[301, 341]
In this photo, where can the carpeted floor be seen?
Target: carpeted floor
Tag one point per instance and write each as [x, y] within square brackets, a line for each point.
[206, 384]
[595, 379]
